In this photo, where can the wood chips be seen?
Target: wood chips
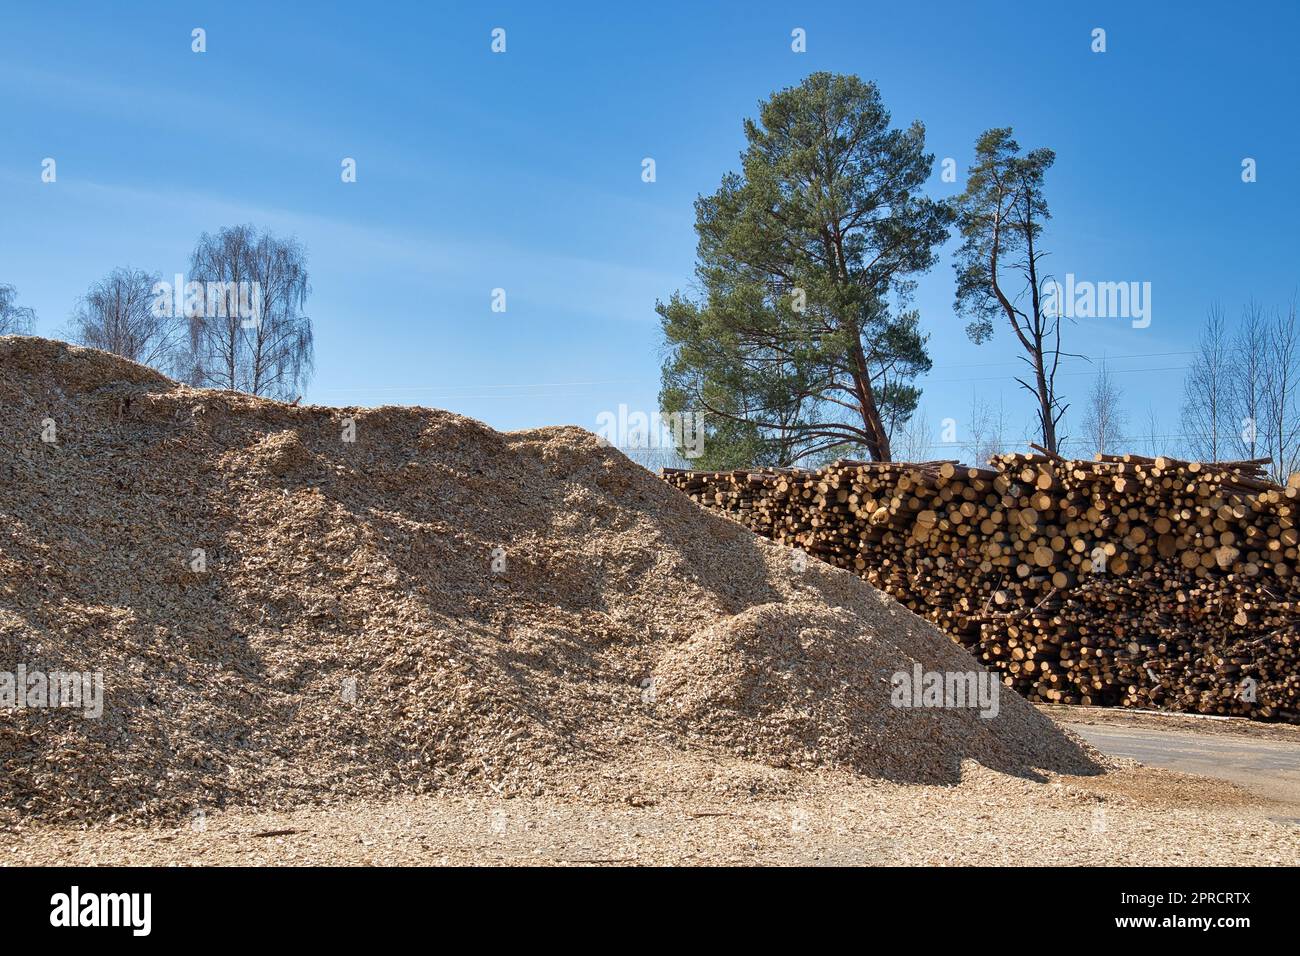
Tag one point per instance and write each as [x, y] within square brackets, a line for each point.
[283, 616]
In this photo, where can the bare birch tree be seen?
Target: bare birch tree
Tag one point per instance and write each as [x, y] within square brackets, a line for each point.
[987, 430]
[1157, 442]
[265, 346]
[1280, 428]
[912, 441]
[1105, 419]
[1206, 392]
[120, 314]
[14, 319]
[1246, 380]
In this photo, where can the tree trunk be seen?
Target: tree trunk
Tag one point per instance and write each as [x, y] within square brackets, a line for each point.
[1046, 396]
[878, 445]
[1044, 403]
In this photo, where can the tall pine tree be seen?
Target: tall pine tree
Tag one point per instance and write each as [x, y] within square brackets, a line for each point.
[802, 343]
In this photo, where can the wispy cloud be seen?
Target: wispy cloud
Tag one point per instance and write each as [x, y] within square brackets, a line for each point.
[574, 285]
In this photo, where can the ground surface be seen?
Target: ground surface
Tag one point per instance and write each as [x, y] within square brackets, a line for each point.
[1268, 768]
[1263, 758]
[1164, 720]
[667, 811]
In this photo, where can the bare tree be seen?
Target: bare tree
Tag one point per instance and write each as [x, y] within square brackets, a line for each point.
[1157, 443]
[1280, 428]
[14, 319]
[653, 459]
[1105, 419]
[1206, 391]
[1246, 380]
[987, 430]
[251, 334]
[912, 441]
[123, 314]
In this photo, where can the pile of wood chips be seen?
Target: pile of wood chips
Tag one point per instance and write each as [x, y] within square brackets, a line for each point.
[294, 605]
[1142, 582]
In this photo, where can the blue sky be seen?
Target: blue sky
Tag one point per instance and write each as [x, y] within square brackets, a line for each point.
[523, 171]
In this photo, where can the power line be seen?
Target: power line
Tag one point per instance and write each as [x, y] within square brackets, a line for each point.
[999, 378]
[1107, 358]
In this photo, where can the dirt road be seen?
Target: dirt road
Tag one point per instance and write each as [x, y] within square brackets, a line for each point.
[1269, 768]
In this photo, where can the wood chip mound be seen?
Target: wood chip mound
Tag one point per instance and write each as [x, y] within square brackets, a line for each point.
[283, 616]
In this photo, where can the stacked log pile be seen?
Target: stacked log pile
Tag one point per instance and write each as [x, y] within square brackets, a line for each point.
[1129, 581]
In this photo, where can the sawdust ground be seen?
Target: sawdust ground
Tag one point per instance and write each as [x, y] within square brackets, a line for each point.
[671, 810]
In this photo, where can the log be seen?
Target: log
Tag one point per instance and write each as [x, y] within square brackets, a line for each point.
[1124, 581]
